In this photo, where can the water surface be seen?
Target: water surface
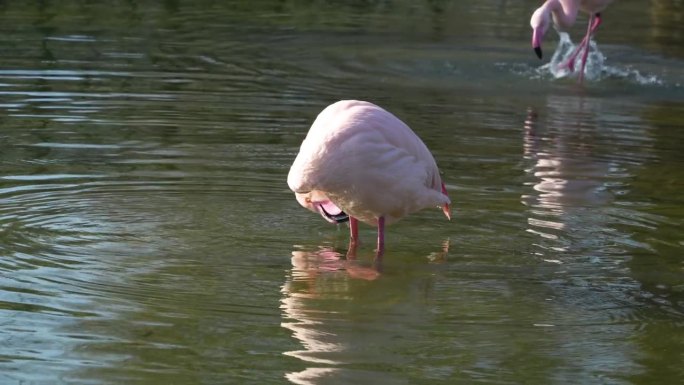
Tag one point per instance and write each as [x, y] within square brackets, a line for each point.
[147, 234]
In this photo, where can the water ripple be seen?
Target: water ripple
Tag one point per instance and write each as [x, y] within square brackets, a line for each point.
[147, 230]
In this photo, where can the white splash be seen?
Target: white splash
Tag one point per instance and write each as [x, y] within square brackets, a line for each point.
[595, 68]
[558, 66]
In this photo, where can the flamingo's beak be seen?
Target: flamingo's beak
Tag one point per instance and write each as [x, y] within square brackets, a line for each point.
[446, 209]
[536, 41]
[331, 212]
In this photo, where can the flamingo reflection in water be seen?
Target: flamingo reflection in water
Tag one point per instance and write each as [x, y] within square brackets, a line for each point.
[576, 155]
[320, 298]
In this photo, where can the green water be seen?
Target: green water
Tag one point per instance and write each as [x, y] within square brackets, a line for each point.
[148, 236]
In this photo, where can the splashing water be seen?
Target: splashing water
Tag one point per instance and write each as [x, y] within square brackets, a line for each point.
[595, 68]
[558, 66]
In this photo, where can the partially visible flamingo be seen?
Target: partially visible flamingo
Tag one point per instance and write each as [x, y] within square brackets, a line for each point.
[361, 163]
[563, 14]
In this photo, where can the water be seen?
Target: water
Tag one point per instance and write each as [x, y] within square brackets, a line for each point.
[147, 234]
[595, 67]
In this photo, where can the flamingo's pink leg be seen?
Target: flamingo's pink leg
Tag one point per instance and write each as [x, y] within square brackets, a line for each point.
[570, 63]
[353, 237]
[353, 230]
[381, 236]
[594, 22]
[583, 46]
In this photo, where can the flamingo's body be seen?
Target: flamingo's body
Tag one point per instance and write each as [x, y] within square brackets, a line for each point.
[563, 13]
[360, 162]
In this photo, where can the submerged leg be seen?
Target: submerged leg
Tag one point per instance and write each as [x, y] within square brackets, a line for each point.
[381, 236]
[377, 263]
[353, 230]
[353, 237]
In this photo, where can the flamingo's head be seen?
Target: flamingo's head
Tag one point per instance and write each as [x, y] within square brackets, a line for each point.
[540, 23]
[318, 202]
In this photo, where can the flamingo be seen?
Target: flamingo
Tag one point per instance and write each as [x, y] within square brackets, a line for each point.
[563, 13]
[359, 162]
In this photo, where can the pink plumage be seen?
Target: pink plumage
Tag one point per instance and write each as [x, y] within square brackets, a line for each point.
[360, 161]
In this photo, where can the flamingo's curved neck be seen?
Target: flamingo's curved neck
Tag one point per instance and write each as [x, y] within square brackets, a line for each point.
[564, 12]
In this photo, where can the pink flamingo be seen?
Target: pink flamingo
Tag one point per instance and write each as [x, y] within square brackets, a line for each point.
[361, 163]
[563, 14]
